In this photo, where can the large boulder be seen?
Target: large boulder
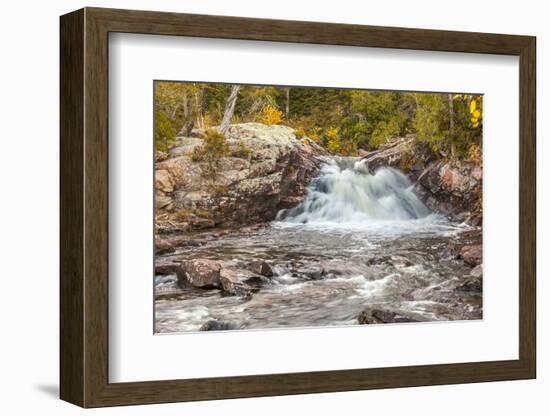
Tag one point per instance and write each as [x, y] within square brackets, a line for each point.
[268, 169]
[200, 273]
[472, 255]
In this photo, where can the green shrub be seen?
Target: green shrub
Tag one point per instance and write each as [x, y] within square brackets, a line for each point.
[300, 132]
[213, 148]
[165, 134]
[383, 132]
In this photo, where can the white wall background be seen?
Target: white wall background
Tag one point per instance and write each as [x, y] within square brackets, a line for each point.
[29, 159]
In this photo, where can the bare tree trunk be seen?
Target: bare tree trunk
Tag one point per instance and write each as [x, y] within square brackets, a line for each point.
[185, 106]
[451, 114]
[287, 107]
[415, 96]
[198, 107]
[188, 121]
[452, 124]
[174, 111]
[229, 108]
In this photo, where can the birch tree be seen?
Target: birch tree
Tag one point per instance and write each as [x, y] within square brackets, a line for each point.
[229, 108]
[287, 101]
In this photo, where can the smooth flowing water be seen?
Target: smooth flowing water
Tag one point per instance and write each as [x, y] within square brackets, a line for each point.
[358, 240]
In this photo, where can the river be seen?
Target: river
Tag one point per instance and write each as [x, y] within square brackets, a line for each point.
[358, 240]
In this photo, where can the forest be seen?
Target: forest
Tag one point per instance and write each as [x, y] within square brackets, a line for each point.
[343, 121]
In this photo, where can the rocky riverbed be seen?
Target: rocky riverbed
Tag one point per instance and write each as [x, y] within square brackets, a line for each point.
[285, 275]
[289, 236]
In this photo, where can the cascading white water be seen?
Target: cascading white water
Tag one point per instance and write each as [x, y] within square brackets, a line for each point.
[347, 193]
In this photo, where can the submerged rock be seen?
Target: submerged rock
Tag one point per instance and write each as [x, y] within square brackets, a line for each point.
[166, 268]
[309, 272]
[215, 325]
[471, 284]
[262, 268]
[376, 261]
[381, 316]
[234, 283]
[201, 273]
[477, 271]
[451, 251]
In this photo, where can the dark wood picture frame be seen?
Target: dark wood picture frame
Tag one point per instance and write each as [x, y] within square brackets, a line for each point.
[84, 207]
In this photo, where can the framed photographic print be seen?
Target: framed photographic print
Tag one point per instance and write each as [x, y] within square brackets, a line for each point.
[256, 207]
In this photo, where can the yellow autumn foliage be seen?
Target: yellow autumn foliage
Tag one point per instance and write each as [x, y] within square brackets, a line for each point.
[271, 115]
[333, 140]
[475, 111]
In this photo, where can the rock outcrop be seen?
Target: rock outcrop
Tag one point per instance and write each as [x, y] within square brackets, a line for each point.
[452, 188]
[402, 153]
[269, 169]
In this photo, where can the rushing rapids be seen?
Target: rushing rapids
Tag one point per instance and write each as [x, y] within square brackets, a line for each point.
[358, 240]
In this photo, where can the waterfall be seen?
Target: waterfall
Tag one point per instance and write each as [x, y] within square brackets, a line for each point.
[346, 192]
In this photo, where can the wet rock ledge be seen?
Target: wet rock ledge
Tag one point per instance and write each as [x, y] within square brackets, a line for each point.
[268, 169]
